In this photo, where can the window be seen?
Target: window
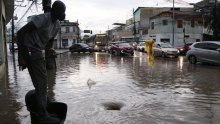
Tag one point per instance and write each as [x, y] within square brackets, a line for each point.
[199, 45]
[192, 23]
[165, 22]
[65, 42]
[67, 29]
[200, 22]
[74, 29]
[212, 46]
[179, 23]
[152, 25]
[165, 40]
[197, 40]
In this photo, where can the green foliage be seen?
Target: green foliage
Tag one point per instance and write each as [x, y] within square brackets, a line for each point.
[212, 22]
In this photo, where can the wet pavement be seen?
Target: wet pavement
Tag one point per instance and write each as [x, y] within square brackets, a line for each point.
[103, 89]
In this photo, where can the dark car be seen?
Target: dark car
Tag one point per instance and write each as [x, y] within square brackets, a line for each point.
[81, 47]
[121, 47]
[183, 48]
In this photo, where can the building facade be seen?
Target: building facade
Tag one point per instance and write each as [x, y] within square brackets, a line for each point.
[186, 27]
[142, 17]
[6, 11]
[69, 34]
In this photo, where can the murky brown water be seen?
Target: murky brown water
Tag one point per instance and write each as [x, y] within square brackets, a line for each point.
[103, 89]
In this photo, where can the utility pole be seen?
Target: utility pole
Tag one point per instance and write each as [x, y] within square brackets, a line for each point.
[173, 22]
[12, 35]
[134, 27]
[13, 28]
[216, 28]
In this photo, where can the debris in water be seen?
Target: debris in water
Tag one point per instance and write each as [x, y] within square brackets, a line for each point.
[90, 83]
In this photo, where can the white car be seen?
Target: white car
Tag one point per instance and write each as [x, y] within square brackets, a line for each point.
[165, 50]
[141, 47]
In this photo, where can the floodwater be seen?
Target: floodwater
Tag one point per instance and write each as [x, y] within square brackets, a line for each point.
[103, 89]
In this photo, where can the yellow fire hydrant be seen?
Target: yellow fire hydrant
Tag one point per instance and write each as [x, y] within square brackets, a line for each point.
[149, 47]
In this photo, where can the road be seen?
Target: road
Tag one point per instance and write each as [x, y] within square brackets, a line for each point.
[100, 88]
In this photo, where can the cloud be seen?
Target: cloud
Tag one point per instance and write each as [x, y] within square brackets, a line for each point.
[101, 14]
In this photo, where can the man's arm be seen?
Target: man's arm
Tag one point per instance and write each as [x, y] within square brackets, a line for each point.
[22, 50]
[49, 44]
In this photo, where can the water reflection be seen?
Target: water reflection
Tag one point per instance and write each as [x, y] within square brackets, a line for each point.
[171, 91]
[8, 95]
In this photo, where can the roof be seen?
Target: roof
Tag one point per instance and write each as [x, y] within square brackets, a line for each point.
[177, 14]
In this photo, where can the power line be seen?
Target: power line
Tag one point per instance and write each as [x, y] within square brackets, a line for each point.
[26, 11]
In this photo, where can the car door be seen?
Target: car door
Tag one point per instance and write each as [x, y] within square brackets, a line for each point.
[199, 51]
[212, 54]
[157, 50]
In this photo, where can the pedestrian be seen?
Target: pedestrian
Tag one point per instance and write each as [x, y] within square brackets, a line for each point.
[32, 39]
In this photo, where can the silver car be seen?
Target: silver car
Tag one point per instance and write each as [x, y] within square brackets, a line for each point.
[141, 47]
[206, 51]
[165, 50]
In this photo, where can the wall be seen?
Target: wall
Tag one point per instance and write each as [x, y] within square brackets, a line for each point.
[161, 31]
[2, 40]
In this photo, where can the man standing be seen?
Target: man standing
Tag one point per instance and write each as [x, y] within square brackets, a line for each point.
[32, 39]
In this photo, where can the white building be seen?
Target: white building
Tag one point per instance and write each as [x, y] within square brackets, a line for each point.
[188, 27]
[68, 35]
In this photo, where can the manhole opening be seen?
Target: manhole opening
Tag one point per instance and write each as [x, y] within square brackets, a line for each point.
[113, 106]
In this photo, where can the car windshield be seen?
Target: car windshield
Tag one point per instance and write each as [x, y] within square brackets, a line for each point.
[124, 44]
[165, 45]
[84, 45]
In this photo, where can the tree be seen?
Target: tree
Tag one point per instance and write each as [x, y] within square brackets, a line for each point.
[212, 22]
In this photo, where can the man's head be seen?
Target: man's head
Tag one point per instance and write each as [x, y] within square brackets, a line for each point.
[58, 10]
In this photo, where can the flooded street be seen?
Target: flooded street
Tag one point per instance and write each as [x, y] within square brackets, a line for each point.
[103, 89]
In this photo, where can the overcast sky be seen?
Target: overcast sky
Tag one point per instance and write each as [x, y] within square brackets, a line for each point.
[99, 15]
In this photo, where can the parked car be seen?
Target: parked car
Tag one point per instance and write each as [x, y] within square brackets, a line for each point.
[109, 45]
[141, 47]
[121, 47]
[184, 48]
[81, 47]
[165, 50]
[206, 51]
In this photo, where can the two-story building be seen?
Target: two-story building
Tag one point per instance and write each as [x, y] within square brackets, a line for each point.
[69, 34]
[142, 17]
[186, 27]
[6, 11]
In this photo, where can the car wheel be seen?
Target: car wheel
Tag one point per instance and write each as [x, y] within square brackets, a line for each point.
[192, 59]
[115, 52]
[111, 52]
[163, 55]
